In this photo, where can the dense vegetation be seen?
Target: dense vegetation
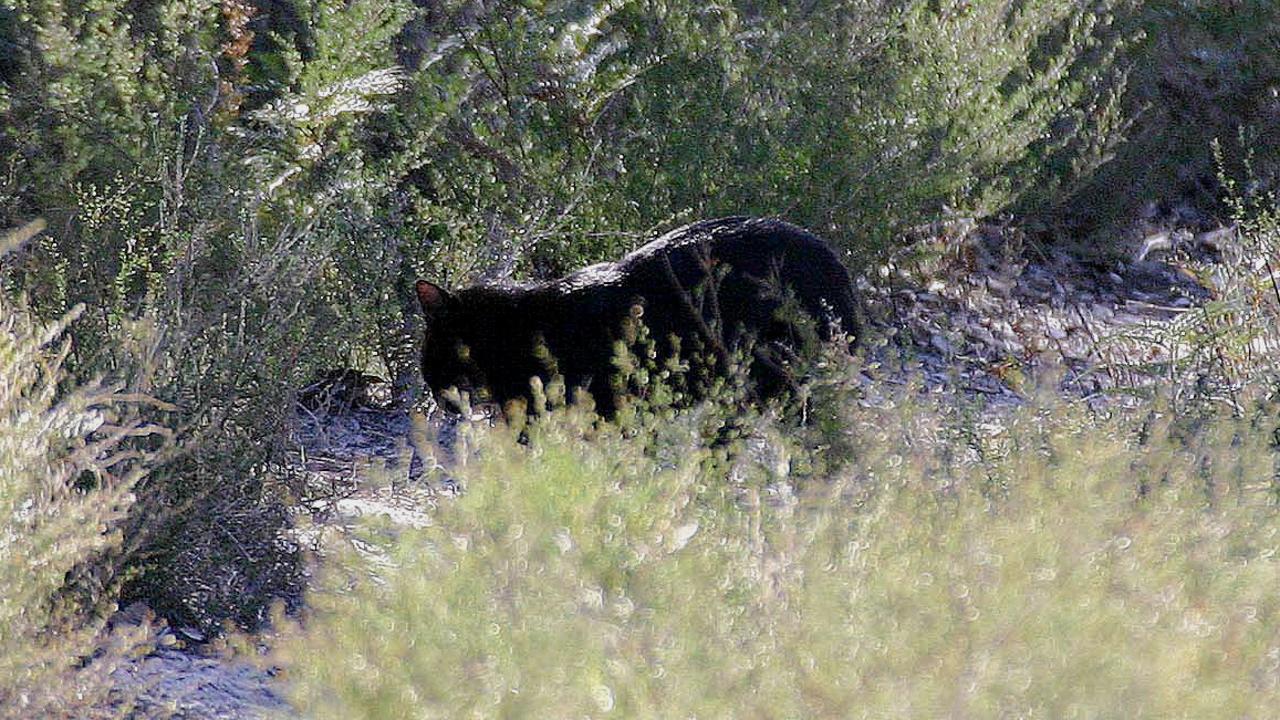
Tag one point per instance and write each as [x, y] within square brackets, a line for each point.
[62, 499]
[1060, 567]
[237, 195]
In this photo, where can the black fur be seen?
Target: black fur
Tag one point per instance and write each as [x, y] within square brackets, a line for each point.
[485, 336]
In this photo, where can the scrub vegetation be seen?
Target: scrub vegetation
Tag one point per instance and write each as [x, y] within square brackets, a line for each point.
[206, 204]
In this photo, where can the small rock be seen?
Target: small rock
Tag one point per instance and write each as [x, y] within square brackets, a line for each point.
[1187, 214]
[1013, 347]
[1072, 352]
[999, 287]
[1214, 240]
[344, 390]
[133, 615]
[941, 344]
[1152, 243]
[982, 335]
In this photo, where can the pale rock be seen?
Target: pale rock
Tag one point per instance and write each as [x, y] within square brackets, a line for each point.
[1003, 288]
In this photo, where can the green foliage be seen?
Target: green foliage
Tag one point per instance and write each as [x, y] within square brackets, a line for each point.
[586, 571]
[92, 78]
[109, 131]
[523, 140]
[66, 481]
[854, 118]
[194, 235]
[859, 118]
[235, 213]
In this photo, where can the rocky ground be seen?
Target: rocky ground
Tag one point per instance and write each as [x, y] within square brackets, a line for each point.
[968, 310]
[977, 312]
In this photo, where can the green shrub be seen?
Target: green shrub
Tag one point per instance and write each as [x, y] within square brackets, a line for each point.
[193, 233]
[193, 141]
[1066, 568]
[559, 128]
[68, 466]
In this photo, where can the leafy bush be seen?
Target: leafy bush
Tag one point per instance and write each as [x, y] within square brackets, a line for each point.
[190, 235]
[67, 474]
[853, 118]
[1059, 565]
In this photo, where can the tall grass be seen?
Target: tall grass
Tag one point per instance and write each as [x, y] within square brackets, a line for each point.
[1058, 567]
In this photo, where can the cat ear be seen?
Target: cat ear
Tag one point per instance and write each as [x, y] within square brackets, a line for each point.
[433, 298]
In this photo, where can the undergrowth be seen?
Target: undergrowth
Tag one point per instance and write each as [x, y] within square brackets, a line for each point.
[1051, 565]
[1217, 351]
[70, 459]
